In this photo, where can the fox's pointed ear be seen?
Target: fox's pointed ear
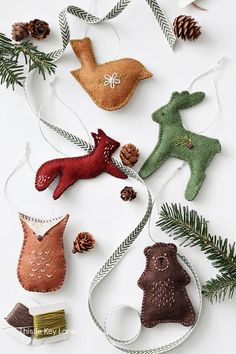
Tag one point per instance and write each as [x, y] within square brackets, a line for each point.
[95, 138]
[101, 132]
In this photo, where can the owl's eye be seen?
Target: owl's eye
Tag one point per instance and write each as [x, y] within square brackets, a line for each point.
[107, 142]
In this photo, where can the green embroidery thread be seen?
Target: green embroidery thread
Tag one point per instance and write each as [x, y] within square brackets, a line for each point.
[49, 324]
[184, 141]
[175, 141]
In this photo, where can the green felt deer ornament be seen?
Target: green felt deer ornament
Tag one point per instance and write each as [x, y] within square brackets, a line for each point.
[176, 141]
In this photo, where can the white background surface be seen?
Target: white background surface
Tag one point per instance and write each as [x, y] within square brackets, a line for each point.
[95, 205]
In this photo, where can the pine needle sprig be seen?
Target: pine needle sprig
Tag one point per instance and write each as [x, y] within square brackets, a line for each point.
[34, 58]
[192, 230]
[219, 288]
[6, 46]
[11, 71]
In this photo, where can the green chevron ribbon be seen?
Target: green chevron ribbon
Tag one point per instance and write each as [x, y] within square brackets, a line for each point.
[115, 11]
[120, 252]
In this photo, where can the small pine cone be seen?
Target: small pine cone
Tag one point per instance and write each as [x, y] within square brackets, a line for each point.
[128, 193]
[39, 29]
[83, 242]
[186, 27]
[19, 31]
[129, 155]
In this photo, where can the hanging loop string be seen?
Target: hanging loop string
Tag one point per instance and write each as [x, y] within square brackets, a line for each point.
[114, 12]
[213, 70]
[93, 6]
[52, 88]
[20, 163]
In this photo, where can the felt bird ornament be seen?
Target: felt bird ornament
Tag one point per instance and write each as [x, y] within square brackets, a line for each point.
[110, 85]
[175, 141]
[70, 169]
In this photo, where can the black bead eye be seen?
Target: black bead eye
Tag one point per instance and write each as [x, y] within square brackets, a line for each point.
[162, 113]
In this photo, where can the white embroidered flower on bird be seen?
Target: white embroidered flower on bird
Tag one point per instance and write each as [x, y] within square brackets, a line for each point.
[111, 80]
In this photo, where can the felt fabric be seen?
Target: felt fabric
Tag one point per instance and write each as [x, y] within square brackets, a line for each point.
[175, 141]
[110, 85]
[83, 167]
[164, 280]
[42, 264]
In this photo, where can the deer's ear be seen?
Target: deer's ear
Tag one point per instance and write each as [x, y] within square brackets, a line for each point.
[174, 95]
[196, 98]
[186, 99]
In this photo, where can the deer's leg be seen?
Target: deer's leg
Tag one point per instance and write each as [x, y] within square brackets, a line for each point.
[196, 180]
[155, 160]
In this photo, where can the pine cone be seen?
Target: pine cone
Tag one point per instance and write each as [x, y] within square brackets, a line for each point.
[39, 29]
[128, 193]
[186, 27]
[83, 242]
[19, 31]
[129, 154]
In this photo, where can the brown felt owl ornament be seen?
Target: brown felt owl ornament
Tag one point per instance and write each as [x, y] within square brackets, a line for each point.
[110, 85]
[42, 264]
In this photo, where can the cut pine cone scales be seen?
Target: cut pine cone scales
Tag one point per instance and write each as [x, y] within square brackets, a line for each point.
[129, 155]
[84, 242]
[186, 27]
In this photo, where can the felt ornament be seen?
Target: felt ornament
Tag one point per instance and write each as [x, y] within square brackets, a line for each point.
[82, 167]
[163, 282]
[176, 141]
[110, 85]
[42, 265]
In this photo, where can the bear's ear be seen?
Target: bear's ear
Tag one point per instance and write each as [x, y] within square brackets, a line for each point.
[147, 251]
[172, 246]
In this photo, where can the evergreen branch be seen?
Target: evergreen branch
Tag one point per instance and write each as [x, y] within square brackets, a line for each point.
[11, 73]
[34, 58]
[192, 229]
[6, 46]
[219, 288]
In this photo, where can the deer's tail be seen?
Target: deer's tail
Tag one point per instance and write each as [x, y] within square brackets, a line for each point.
[46, 174]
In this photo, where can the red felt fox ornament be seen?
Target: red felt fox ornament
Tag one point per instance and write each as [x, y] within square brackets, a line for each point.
[82, 167]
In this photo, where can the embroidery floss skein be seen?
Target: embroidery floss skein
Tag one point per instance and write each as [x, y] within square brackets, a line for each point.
[21, 319]
[49, 324]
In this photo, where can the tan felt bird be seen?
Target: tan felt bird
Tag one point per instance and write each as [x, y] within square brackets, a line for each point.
[110, 85]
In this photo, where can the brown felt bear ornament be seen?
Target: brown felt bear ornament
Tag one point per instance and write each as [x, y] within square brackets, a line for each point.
[110, 85]
[42, 264]
[163, 282]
